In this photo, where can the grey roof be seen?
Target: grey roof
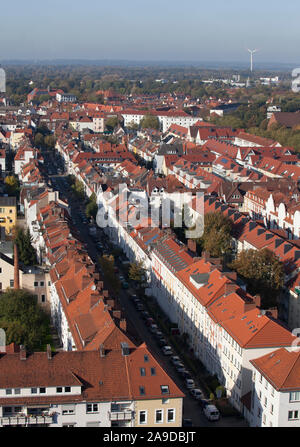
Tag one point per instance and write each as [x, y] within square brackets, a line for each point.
[8, 201]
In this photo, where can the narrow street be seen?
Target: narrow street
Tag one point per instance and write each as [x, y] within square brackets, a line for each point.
[136, 325]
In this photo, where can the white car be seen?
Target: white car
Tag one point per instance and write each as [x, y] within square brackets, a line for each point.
[167, 350]
[175, 359]
[212, 413]
[189, 383]
[196, 393]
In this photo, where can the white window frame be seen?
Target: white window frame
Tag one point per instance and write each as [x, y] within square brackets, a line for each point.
[146, 417]
[162, 416]
[174, 415]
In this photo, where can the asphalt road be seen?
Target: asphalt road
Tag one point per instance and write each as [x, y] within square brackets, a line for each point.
[136, 325]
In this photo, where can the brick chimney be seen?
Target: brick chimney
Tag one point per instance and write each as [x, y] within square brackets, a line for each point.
[257, 300]
[230, 287]
[123, 325]
[16, 268]
[110, 303]
[102, 350]
[192, 246]
[117, 314]
[22, 352]
[206, 255]
[105, 293]
[273, 312]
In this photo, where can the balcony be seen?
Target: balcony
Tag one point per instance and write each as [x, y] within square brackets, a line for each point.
[126, 415]
[26, 420]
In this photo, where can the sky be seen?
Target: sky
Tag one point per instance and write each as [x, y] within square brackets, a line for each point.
[157, 30]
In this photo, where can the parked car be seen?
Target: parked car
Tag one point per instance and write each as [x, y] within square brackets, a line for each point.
[125, 285]
[189, 383]
[149, 321]
[179, 365]
[145, 314]
[153, 328]
[203, 403]
[140, 307]
[186, 375]
[159, 334]
[161, 342]
[175, 359]
[180, 368]
[196, 393]
[211, 413]
[167, 350]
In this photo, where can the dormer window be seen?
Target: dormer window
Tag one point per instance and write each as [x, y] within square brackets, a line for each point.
[164, 389]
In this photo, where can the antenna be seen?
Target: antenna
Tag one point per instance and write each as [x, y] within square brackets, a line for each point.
[251, 58]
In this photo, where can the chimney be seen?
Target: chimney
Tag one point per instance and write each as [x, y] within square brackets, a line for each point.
[230, 287]
[102, 350]
[22, 352]
[123, 325]
[100, 284]
[49, 352]
[16, 268]
[192, 246]
[105, 293]
[117, 314]
[257, 300]
[206, 255]
[273, 312]
[110, 303]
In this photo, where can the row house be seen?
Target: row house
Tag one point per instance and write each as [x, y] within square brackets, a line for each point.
[122, 386]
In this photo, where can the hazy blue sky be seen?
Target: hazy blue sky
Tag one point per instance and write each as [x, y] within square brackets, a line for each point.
[151, 30]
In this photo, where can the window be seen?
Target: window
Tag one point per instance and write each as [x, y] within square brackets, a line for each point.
[171, 415]
[67, 389]
[8, 391]
[158, 416]
[146, 358]
[295, 396]
[0, 270]
[142, 390]
[11, 283]
[35, 283]
[272, 408]
[42, 390]
[153, 372]
[68, 409]
[49, 283]
[164, 389]
[142, 417]
[42, 283]
[17, 391]
[266, 401]
[43, 298]
[143, 371]
[59, 389]
[91, 408]
[293, 415]
[33, 390]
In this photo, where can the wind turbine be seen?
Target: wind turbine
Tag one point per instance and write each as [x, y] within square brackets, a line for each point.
[251, 58]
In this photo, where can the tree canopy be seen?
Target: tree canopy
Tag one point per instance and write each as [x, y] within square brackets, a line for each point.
[149, 122]
[263, 273]
[27, 254]
[92, 207]
[136, 271]
[12, 185]
[23, 320]
[216, 238]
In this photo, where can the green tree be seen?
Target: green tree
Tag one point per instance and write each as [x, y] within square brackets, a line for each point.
[39, 140]
[23, 320]
[12, 187]
[216, 238]
[49, 141]
[107, 263]
[111, 123]
[92, 207]
[27, 254]
[149, 122]
[263, 273]
[78, 189]
[136, 271]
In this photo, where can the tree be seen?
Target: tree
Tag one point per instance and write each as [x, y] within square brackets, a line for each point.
[39, 140]
[92, 208]
[262, 271]
[107, 263]
[111, 123]
[136, 271]
[27, 254]
[78, 189]
[23, 320]
[216, 238]
[11, 185]
[149, 122]
[49, 141]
